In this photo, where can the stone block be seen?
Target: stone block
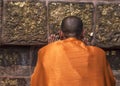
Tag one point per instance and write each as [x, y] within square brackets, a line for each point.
[107, 32]
[0, 17]
[58, 10]
[34, 56]
[117, 76]
[24, 23]
[0, 13]
[14, 61]
[7, 81]
[113, 57]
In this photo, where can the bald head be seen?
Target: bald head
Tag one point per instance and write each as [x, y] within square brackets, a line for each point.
[72, 26]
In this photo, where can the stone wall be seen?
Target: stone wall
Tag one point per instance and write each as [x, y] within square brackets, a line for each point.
[25, 26]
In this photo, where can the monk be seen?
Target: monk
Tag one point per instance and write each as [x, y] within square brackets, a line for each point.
[70, 62]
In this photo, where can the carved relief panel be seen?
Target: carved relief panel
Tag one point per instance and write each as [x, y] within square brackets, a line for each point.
[24, 23]
[14, 61]
[5, 81]
[58, 10]
[107, 33]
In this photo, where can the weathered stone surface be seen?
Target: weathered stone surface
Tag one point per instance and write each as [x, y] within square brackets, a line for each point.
[6, 81]
[117, 76]
[24, 23]
[59, 10]
[14, 61]
[0, 18]
[0, 12]
[113, 57]
[114, 0]
[34, 56]
[107, 32]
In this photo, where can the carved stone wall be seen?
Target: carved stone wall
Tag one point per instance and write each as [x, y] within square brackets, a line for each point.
[1, 3]
[25, 26]
[59, 10]
[107, 31]
[24, 23]
[17, 64]
[113, 57]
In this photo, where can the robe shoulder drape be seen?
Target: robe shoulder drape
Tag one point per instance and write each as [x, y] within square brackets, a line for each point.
[71, 63]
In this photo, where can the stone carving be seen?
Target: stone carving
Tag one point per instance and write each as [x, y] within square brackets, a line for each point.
[107, 33]
[14, 61]
[5, 81]
[59, 10]
[24, 23]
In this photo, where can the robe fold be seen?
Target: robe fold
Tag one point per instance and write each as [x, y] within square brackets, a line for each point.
[70, 62]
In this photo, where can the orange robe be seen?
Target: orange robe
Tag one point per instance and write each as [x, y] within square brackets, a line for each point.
[71, 63]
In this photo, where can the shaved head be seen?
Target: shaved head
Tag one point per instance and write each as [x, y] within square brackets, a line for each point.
[72, 26]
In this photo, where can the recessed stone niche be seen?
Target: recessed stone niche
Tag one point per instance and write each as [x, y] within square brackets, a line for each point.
[24, 23]
[14, 61]
[113, 57]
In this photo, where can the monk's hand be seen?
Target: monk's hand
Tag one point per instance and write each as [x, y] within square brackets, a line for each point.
[53, 38]
[57, 36]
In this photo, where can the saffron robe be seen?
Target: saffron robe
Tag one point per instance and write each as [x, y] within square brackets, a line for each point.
[70, 62]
